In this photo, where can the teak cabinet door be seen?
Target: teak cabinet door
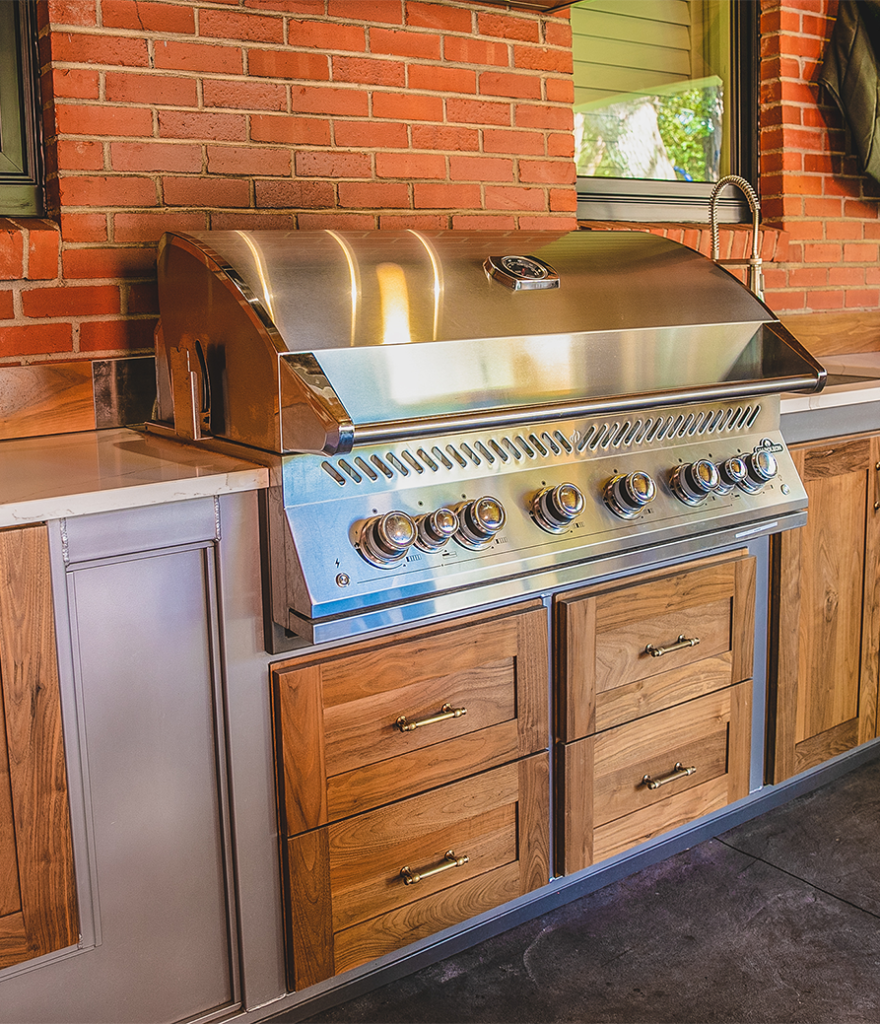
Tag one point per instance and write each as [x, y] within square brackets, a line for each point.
[38, 911]
[825, 632]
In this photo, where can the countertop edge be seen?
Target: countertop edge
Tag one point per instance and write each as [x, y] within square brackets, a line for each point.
[59, 476]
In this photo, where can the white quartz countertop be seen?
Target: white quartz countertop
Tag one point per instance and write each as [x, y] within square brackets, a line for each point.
[858, 392]
[65, 475]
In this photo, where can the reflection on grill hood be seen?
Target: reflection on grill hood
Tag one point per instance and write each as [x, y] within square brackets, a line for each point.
[316, 341]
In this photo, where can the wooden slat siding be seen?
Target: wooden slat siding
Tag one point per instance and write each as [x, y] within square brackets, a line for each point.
[35, 746]
[675, 12]
[47, 398]
[636, 47]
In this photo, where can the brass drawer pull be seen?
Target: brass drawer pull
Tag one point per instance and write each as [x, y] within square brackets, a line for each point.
[682, 642]
[678, 772]
[410, 877]
[447, 711]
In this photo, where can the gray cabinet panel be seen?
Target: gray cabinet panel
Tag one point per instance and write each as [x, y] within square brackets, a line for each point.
[145, 663]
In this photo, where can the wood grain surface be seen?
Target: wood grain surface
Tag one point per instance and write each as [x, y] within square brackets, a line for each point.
[37, 775]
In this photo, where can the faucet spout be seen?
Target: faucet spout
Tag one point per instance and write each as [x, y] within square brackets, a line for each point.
[754, 262]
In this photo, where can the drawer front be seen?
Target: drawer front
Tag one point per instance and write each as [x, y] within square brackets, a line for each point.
[348, 900]
[469, 698]
[636, 650]
[608, 805]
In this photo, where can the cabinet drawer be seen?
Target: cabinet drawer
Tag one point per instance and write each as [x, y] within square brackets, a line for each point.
[348, 901]
[697, 622]
[608, 806]
[340, 749]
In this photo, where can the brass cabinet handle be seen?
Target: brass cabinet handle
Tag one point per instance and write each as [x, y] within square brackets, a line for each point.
[447, 711]
[678, 772]
[682, 642]
[450, 860]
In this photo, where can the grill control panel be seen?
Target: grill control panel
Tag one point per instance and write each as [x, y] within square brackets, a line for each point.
[501, 514]
[384, 541]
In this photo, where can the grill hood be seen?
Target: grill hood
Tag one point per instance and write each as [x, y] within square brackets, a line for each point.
[316, 341]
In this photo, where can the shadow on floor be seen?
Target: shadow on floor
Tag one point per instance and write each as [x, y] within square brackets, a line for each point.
[773, 921]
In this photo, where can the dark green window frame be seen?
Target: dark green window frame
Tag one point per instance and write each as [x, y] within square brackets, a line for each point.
[625, 199]
[21, 190]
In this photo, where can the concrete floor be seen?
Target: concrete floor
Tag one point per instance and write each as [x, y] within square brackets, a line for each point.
[775, 921]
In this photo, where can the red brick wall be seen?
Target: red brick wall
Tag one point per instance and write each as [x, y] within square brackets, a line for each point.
[171, 114]
[810, 186]
[280, 113]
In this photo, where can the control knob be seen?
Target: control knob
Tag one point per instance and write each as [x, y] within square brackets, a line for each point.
[760, 467]
[385, 539]
[479, 521]
[731, 473]
[435, 529]
[692, 483]
[627, 494]
[556, 508]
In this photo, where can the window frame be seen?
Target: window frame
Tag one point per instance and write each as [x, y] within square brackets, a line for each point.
[21, 172]
[644, 200]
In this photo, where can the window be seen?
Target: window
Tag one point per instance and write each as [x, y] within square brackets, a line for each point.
[665, 105]
[20, 185]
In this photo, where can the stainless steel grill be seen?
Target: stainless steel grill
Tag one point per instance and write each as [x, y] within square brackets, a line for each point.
[456, 419]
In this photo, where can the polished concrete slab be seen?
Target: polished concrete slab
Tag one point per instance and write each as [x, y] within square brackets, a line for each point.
[773, 921]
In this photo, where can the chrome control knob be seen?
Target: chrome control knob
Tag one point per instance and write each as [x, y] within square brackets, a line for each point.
[479, 521]
[694, 482]
[385, 540]
[626, 495]
[556, 508]
[435, 529]
[731, 473]
[761, 466]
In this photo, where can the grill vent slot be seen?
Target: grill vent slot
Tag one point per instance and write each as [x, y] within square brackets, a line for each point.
[623, 433]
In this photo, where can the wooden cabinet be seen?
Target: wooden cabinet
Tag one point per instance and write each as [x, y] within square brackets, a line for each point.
[419, 755]
[655, 680]
[38, 912]
[826, 610]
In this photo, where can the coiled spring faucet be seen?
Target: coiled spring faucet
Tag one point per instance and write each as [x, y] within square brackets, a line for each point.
[754, 262]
